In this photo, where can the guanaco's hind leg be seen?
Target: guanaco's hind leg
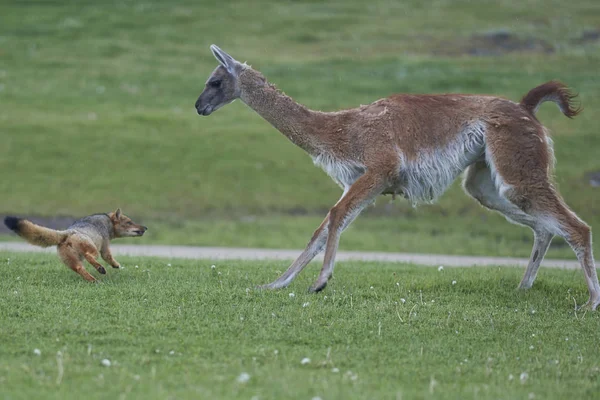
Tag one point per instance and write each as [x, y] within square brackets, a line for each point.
[579, 236]
[72, 259]
[520, 157]
[479, 184]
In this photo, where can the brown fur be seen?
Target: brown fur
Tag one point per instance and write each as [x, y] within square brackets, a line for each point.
[85, 239]
[417, 145]
[39, 235]
[552, 91]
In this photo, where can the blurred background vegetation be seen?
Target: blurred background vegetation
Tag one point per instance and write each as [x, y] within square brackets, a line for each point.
[96, 112]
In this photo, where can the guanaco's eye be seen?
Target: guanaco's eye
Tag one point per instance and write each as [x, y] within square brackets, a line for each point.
[215, 83]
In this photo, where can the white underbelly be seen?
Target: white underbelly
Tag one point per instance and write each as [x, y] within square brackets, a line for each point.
[343, 172]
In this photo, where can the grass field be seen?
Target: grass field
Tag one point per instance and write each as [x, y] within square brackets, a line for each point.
[180, 329]
[97, 111]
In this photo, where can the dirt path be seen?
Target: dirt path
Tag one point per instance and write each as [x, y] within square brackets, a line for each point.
[223, 253]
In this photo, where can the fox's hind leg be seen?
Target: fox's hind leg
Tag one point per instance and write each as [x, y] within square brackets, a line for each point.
[90, 253]
[107, 256]
[71, 258]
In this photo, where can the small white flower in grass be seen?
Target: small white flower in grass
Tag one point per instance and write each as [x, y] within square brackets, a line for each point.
[275, 351]
[305, 361]
[371, 287]
[16, 292]
[351, 375]
[213, 266]
[172, 352]
[137, 266]
[566, 339]
[454, 282]
[441, 268]
[523, 377]
[533, 335]
[18, 278]
[433, 301]
[136, 377]
[403, 300]
[305, 304]
[531, 396]
[247, 290]
[292, 295]
[243, 378]
[169, 264]
[397, 283]
[533, 311]
[157, 351]
[324, 297]
[219, 273]
[531, 347]
[335, 370]
[37, 352]
[106, 362]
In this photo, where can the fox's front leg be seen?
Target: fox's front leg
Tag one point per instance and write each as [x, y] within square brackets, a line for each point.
[107, 256]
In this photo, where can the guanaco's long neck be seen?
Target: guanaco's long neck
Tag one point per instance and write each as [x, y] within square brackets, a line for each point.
[298, 123]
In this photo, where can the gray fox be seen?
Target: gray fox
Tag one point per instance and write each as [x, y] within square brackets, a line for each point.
[84, 239]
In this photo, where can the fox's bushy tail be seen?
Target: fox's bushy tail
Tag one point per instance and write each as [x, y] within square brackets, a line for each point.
[35, 234]
[556, 92]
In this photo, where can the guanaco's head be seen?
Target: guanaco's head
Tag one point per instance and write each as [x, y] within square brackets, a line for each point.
[222, 86]
[123, 226]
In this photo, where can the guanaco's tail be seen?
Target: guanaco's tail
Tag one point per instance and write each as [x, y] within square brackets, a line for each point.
[556, 92]
[35, 234]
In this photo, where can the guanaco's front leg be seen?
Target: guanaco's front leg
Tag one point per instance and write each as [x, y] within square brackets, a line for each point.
[314, 247]
[362, 193]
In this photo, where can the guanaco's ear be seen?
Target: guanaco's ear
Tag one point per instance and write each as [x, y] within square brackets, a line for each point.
[118, 213]
[225, 59]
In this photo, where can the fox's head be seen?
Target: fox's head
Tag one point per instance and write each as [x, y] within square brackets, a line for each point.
[123, 226]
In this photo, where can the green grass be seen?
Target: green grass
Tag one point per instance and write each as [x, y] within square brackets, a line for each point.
[97, 112]
[189, 331]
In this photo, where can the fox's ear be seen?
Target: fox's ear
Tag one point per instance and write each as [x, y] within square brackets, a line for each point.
[118, 213]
